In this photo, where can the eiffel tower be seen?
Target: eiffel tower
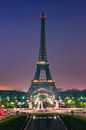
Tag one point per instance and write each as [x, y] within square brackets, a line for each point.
[47, 83]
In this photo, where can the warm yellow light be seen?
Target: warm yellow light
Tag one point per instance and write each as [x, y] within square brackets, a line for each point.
[49, 100]
[43, 80]
[35, 81]
[41, 62]
[36, 100]
[50, 81]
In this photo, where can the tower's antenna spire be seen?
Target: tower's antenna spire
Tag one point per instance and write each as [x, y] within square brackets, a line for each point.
[42, 16]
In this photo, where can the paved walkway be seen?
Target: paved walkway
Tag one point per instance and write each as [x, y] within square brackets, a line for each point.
[45, 123]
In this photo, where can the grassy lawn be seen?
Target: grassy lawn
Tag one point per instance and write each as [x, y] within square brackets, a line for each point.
[12, 123]
[74, 122]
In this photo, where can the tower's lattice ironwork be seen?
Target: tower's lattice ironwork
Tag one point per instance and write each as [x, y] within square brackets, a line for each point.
[42, 64]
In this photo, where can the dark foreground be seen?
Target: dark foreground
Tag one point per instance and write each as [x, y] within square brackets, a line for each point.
[74, 122]
[12, 122]
[45, 123]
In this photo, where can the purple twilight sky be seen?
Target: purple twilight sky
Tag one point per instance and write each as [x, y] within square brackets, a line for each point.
[20, 36]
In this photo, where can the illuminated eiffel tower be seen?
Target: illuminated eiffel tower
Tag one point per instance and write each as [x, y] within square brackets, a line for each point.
[47, 83]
